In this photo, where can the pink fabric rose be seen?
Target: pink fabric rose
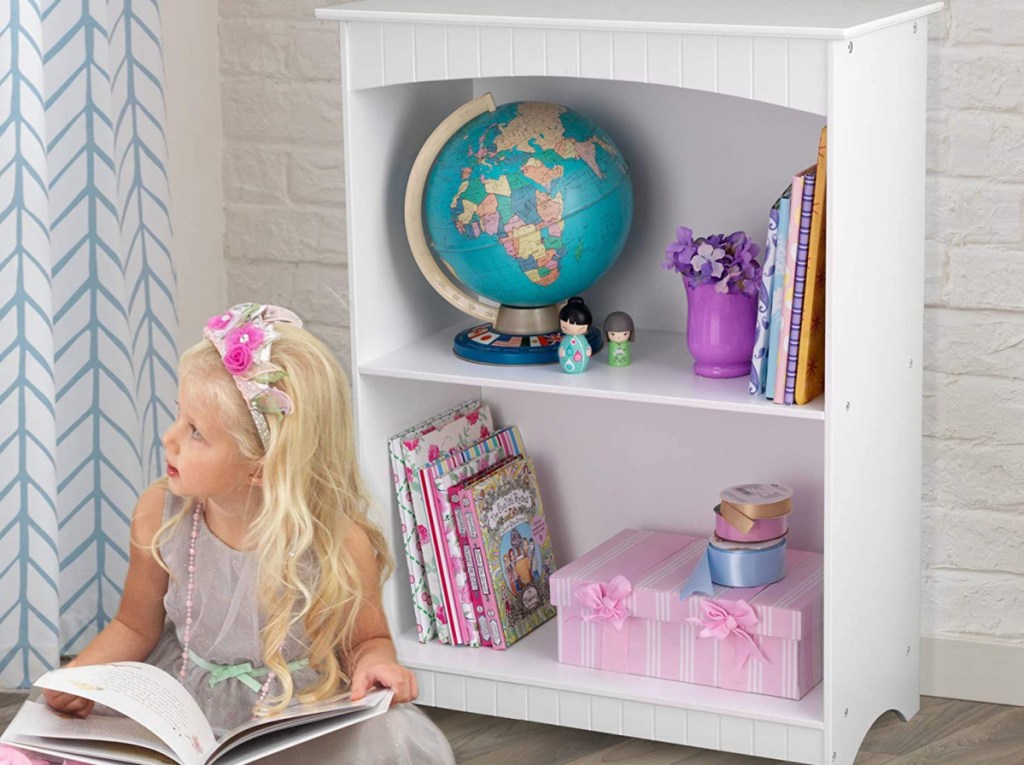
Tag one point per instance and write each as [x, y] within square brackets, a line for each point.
[218, 322]
[433, 452]
[424, 533]
[237, 359]
[472, 417]
[248, 335]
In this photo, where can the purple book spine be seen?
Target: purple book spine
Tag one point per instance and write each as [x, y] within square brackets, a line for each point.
[803, 242]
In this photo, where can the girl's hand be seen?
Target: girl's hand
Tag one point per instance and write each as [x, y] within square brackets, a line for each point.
[389, 675]
[68, 704]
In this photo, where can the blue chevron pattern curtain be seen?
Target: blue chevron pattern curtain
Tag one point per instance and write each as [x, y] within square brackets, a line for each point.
[87, 313]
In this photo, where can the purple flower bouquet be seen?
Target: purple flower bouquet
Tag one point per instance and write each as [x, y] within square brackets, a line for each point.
[728, 262]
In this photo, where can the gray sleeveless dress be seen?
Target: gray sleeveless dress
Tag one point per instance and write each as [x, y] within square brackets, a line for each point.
[225, 631]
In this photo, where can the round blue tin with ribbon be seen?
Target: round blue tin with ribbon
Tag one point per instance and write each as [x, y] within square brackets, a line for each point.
[739, 564]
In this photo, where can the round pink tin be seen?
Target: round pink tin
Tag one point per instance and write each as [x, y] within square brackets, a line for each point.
[764, 529]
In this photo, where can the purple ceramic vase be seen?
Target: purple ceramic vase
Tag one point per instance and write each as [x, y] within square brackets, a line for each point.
[720, 331]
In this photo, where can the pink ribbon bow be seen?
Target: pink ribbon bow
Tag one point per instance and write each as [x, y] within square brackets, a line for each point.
[730, 620]
[605, 601]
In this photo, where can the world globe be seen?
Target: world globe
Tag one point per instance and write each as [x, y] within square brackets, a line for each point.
[525, 204]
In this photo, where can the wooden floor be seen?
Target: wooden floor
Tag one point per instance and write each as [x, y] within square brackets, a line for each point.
[945, 732]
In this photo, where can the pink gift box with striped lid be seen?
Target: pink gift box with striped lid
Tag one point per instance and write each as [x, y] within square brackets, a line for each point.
[765, 639]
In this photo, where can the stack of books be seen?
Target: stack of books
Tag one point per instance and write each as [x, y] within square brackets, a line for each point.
[473, 528]
[788, 363]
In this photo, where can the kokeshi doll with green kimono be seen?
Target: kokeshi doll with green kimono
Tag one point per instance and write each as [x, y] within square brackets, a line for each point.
[619, 332]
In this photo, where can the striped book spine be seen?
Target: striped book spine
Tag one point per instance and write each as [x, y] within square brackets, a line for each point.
[799, 283]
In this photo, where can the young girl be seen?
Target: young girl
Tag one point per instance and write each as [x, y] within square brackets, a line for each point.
[255, 573]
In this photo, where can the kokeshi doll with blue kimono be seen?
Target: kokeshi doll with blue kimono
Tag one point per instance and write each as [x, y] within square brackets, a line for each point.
[619, 332]
[574, 349]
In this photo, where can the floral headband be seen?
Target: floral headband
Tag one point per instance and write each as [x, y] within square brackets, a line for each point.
[243, 336]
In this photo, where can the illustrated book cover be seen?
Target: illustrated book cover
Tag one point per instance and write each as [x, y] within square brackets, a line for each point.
[509, 540]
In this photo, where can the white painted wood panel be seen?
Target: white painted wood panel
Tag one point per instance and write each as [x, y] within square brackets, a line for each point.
[364, 43]
[771, 71]
[562, 51]
[399, 53]
[495, 52]
[763, 69]
[702, 729]
[464, 52]
[431, 52]
[481, 696]
[735, 66]
[700, 63]
[596, 55]
[629, 56]
[542, 705]
[574, 710]
[637, 720]
[670, 725]
[665, 60]
[511, 701]
[529, 52]
[606, 715]
[873, 494]
[450, 691]
[737, 735]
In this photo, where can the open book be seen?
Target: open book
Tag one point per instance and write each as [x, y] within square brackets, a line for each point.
[162, 722]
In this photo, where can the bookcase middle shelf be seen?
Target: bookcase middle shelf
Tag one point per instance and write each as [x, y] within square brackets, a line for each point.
[660, 374]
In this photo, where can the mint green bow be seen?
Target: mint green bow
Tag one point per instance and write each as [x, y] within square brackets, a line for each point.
[244, 672]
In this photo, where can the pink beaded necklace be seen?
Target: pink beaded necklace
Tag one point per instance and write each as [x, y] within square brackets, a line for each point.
[197, 515]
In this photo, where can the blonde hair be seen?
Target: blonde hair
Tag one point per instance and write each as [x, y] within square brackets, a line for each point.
[313, 498]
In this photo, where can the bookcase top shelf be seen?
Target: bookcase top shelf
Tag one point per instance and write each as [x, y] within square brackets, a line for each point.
[817, 19]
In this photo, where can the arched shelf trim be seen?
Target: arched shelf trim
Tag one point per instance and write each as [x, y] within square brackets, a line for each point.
[785, 71]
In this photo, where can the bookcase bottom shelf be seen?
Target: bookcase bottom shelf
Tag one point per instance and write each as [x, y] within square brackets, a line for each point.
[527, 682]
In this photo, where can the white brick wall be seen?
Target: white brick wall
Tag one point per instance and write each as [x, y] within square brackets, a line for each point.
[283, 190]
[284, 239]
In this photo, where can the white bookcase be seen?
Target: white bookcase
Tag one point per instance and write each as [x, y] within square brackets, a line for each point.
[715, 104]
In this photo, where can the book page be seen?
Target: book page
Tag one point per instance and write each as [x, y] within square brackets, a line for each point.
[146, 694]
[301, 714]
[36, 721]
[244, 751]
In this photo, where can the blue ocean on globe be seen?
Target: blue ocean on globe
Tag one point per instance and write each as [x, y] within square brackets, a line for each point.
[529, 204]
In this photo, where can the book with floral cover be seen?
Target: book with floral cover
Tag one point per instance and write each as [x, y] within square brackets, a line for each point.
[459, 577]
[508, 538]
[414, 447]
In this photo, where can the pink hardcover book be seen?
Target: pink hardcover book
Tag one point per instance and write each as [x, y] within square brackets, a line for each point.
[458, 579]
[787, 295]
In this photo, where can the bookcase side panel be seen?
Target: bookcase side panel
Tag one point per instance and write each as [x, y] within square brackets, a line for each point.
[875, 219]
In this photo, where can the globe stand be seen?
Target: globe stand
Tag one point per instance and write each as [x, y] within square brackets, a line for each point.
[486, 345]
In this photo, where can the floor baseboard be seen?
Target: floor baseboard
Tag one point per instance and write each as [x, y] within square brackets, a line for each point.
[973, 669]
